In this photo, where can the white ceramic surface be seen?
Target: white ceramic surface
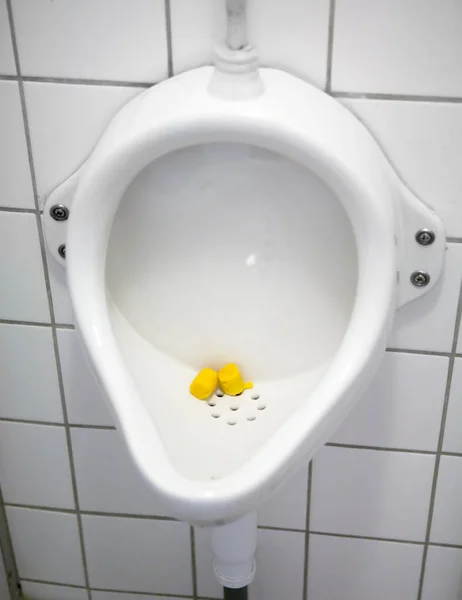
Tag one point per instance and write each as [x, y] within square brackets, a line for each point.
[272, 242]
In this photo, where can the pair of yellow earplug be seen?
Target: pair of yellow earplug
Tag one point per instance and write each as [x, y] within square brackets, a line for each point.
[229, 378]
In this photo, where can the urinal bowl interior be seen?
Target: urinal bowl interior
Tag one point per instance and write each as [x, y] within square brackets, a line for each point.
[228, 252]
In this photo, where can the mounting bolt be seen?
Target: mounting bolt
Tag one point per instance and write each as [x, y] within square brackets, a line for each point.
[425, 237]
[62, 251]
[420, 278]
[59, 212]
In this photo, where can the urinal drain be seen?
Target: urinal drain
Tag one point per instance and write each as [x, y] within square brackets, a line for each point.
[236, 404]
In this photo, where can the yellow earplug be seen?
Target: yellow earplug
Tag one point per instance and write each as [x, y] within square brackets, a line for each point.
[204, 384]
[231, 381]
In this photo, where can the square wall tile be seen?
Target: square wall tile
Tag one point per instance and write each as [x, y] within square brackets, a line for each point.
[84, 398]
[423, 141]
[397, 47]
[107, 478]
[353, 569]
[44, 591]
[110, 39]
[24, 296]
[447, 516]
[287, 508]
[34, 465]
[371, 493]
[443, 574]
[403, 406]
[280, 559]
[138, 554]
[16, 184]
[196, 26]
[7, 66]
[46, 545]
[453, 429]
[28, 379]
[65, 123]
[428, 323]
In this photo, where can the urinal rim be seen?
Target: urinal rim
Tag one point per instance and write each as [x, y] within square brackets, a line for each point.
[106, 175]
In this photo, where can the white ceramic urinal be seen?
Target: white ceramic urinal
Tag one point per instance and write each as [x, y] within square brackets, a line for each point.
[237, 217]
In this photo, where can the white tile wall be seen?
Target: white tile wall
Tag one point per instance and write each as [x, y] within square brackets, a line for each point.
[65, 123]
[423, 141]
[280, 552]
[46, 545]
[403, 406]
[24, 296]
[107, 479]
[353, 569]
[452, 432]
[31, 476]
[371, 493]
[447, 516]
[109, 39]
[138, 555]
[42, 591]
[443, 577]
[287, 508]
[399, 48]
[78, 60]
[7, 66]
[16, 186]
[28, 388]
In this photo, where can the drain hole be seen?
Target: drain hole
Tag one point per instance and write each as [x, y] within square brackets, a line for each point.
[219, 393]
[255, 396]
[234, 406]
[211, 403]
[261, 407]
[231, 422]
[252, 418]
[215, 415]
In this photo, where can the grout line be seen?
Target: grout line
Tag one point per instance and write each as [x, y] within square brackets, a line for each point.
[7, 553]
[48, 287]
[11, 209]
[57, 424]
[193, 561]
[440, 443]
[31, 422]
[67, 511]
[120, 515]
[15, 322]
[98, 82]
[47, 582]
[8, 78]
[64, 326]
[307, 532]
[103, 427]
[168, 28]
[380, 448]
[91, 513]
[424, 352]
[366, 537]
[137, 593]
[288, 529]
[396, 97]
[454, 240]
[330, 46]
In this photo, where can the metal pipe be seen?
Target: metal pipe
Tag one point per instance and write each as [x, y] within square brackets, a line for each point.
[235, 594]
[236, 36]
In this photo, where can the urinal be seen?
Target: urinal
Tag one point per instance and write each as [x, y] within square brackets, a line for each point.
[231, 214]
